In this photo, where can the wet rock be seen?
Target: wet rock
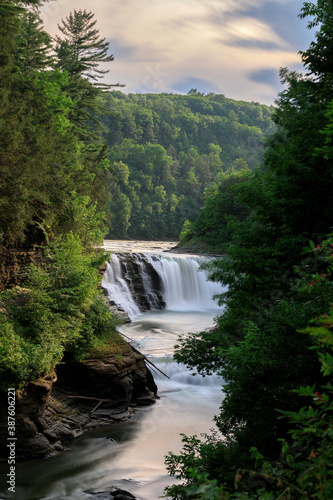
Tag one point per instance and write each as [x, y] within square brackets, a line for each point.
[121, 415]
[115, 494]
[143, 281]
[145, 398]
[52, 411]
[118, 494]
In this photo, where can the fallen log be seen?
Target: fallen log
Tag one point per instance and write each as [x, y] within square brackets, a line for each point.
[93, 399]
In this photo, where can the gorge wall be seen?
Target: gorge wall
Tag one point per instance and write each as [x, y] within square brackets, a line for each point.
[76, 398]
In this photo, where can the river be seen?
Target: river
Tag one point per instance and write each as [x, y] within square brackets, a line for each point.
[130, 455]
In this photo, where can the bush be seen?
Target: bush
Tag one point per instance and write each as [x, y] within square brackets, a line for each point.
[60, 311]
[186, 233]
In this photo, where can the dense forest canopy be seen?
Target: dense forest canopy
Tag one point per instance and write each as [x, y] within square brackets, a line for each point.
[54, 169]
[166, 150]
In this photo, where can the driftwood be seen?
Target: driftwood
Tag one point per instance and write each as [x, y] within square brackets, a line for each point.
[97, 406]
[93, 399]
[100, 401]
[150, 362]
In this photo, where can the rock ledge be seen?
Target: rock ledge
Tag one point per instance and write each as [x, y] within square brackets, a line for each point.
[78, 397]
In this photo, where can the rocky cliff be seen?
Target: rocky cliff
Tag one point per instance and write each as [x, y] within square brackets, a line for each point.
[75, 399]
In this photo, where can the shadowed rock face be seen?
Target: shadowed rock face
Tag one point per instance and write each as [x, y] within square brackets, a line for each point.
[12, 261]
[144, 282]
[52, 411]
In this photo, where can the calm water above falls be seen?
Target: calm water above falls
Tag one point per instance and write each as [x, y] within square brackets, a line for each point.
[131, 454]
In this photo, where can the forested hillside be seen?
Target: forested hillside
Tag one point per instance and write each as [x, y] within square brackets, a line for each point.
[77, 161]
[166, 150]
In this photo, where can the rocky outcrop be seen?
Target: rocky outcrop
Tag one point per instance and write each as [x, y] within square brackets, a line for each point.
[114, 494]
[143, 280]
[12, 260]
[78, 397]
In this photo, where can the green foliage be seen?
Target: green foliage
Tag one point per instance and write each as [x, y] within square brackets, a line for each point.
[186, 233]
[59, 312]
[33, 46]
[214, 223]
[54, 189]
[261, 374]
[54, 178]
[83, 47]
[202, 464]
[304, 469]
[181, 144]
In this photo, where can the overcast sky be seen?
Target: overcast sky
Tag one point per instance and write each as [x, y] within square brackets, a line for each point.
[232, 47]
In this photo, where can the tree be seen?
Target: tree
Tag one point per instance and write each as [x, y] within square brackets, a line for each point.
[82, 50]
[213, 224]
[43, 165]
[121, 209]
[79, 54]
[34, 45]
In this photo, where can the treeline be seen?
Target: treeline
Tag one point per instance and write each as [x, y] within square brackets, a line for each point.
[166, 150]
[55, 181]
[273, 344]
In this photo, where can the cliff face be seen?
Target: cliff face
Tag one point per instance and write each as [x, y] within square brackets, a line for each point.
[75, 399]
[11, 263]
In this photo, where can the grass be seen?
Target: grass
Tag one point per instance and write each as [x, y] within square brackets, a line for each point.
[113, 345]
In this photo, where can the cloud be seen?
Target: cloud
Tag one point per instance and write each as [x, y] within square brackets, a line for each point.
[283, 17]
[227, 46]
[250, 32]
[187, 83]
[268, 77]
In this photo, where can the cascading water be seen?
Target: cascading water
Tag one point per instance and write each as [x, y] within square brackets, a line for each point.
[115, 285]
[182, 285]
[187, 403]
[186, 288]
[131, 455]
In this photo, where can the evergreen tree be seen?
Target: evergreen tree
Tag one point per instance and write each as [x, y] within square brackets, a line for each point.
[50, 182]
[34, 45]
[82, 50]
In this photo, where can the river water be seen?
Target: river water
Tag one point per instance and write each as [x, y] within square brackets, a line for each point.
[130, 455]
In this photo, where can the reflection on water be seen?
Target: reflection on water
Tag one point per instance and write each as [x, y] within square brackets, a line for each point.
[130, 455]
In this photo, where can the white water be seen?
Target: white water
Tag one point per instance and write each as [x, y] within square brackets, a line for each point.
[187, 288]
[130, 455]
[184, 286]
[117, 288]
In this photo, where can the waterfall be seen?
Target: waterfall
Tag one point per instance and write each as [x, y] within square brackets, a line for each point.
[181, 377]
[186, 287]
[142, 282]
[117, 290]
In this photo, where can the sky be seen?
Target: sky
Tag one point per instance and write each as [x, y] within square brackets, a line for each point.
[230, 47]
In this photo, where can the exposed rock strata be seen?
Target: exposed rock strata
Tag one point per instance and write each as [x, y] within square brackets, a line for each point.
[48, 417]
[144, 282]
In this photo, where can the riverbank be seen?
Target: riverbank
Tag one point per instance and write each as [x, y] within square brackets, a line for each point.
[76, 398]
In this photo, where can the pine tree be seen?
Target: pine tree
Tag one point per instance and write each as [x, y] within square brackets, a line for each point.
[34, 44]
[82, 50]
